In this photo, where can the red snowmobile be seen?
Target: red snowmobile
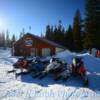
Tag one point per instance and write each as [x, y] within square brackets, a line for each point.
[21, 64]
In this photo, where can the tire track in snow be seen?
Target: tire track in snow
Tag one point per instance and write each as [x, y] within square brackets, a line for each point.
[72, 94]
[4, 77]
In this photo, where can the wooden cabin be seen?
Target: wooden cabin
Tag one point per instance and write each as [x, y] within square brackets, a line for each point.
[32, 45]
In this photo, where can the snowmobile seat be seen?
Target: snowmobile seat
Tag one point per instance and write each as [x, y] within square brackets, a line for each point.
[36, 67]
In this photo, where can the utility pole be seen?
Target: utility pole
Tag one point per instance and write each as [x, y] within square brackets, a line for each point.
[30, 29]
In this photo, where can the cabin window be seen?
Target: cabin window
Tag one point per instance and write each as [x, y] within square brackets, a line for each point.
[45, 52]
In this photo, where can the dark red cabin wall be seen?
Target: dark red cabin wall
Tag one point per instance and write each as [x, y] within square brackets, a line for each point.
[27, 49]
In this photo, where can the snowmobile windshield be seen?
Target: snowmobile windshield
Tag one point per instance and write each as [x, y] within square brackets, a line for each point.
[74, 61]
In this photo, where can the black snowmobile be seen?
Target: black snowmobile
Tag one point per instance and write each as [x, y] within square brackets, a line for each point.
[72, 70]
[37, 66]
[54, 67]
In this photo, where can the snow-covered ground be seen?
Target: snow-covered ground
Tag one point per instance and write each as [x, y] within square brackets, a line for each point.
[27, 88]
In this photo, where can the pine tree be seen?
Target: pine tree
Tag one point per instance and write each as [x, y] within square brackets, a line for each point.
[69, 38]
[7, 39]
[3, 39]
[58, 33]
[13, 40]
[48, 32]
[92, 24]
[22, 33]
[55, 39]
[77, 31]
[52, 33]
[0, 40]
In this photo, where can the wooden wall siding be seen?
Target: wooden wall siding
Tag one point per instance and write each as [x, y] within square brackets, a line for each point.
[21, 49]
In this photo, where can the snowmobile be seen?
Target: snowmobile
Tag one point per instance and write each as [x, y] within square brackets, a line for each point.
[33, 66]
[53, 68]
[64, 74]
[78, 69]
[72, 70]
[17, 66]
[38, 72]
[37, 67]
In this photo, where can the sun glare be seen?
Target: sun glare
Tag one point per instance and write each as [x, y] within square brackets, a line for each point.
[2, 23]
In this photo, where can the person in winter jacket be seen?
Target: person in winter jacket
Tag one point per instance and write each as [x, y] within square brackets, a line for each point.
[82, 73]
[23, 64]
[82, 70]
[98, 54]
[18, 63]
[76, 63]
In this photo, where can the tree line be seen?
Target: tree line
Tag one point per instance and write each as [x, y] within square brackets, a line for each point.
[84, 33]
[6, 40]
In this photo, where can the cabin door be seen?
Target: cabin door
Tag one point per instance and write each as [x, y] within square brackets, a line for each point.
[33, 52]
[45, 52]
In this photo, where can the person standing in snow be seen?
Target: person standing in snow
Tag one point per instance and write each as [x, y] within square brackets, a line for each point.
[82, 70]
[76, 63]
[82, 73]
[98, 53]
[23, 64]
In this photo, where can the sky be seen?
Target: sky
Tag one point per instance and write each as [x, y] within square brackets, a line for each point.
[18, 14]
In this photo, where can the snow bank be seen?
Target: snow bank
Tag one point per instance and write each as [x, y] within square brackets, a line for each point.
[66, 56]
[6, 58]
